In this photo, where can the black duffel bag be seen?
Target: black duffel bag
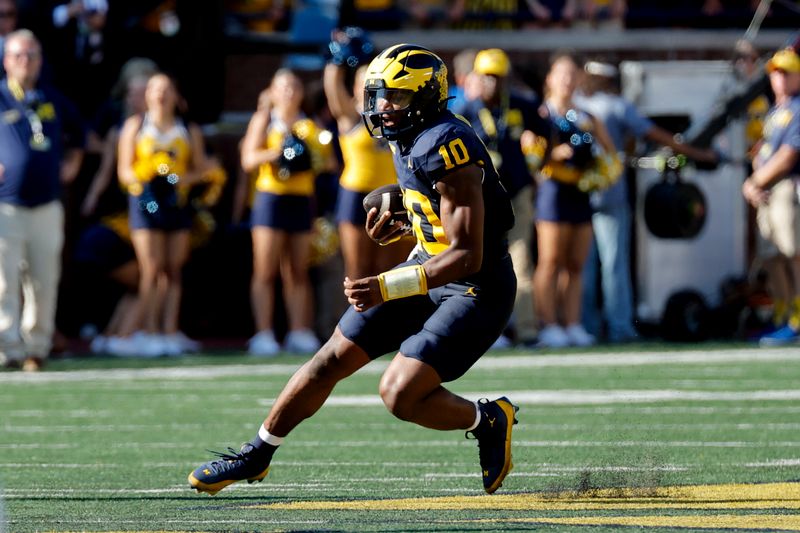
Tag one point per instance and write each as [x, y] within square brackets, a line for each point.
[673, 208]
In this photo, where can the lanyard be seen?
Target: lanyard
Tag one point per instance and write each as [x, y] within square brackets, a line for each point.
[494, 129]
[29, 101]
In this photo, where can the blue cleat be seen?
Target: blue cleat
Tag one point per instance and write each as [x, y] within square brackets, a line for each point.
[494, 441]
[780, 337]
[247, 464]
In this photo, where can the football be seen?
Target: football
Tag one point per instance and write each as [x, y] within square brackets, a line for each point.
[388, 198]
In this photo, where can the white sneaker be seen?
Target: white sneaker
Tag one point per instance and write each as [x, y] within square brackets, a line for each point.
[187, 344]
[263, 344]
[301, 341]
[149, 344]
[553, 336]
[122, 346]
[578, 336]
[502, 343]
[171, 345]
[99, 344]
[178, 343]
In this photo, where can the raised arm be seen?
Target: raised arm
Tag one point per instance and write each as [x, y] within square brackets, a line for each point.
[340, 101]
[253, 153]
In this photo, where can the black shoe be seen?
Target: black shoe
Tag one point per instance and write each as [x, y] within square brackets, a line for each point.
[248, 464]
[494, 440]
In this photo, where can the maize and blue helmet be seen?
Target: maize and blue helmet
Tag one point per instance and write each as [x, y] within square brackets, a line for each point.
[414, 80]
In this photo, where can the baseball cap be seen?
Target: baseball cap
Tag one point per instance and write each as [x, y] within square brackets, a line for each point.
[492, 61]
[786, 60]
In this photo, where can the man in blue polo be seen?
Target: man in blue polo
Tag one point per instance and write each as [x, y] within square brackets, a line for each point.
[41, 140]
[772, 189]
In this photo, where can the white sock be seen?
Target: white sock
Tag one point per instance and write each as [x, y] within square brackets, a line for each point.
[265, 435]
[477, 417]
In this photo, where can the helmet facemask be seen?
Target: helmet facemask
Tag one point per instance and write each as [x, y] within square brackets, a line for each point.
[388, 113]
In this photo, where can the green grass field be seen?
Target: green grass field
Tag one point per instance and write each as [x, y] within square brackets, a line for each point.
[660, 438]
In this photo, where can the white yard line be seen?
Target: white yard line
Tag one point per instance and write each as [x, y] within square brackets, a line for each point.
[493, 362]
[589, 397]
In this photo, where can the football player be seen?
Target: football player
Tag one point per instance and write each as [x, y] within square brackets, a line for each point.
[442, 309]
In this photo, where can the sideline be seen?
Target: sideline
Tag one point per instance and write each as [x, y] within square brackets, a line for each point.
[621, 359]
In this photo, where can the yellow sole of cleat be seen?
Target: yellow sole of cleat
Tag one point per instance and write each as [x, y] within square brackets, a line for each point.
[510, 410]
[211, 490]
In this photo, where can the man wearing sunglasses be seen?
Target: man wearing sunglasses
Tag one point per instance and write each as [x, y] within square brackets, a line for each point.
[41, 140]
[772, 189]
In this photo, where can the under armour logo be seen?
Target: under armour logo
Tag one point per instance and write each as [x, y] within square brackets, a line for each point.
[485, 473]
[491, 421]
[470, 292]
[206, 471]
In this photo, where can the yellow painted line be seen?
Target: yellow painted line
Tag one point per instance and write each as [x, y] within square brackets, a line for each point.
[750, 523]
[783, 496]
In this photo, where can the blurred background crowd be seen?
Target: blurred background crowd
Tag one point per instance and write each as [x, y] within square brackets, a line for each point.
[213, 109]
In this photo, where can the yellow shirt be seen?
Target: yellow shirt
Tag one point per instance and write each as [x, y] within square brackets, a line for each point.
[367, 162]
[275, 180]
[160, 153]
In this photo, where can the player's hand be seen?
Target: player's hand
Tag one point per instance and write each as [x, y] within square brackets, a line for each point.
[363, 293]
[381, 230]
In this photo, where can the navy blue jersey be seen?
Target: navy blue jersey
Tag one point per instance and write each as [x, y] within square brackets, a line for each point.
[445, 146]
[500, 128]
[31, 174]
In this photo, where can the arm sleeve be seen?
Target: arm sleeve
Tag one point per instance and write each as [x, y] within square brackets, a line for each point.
[792, 136]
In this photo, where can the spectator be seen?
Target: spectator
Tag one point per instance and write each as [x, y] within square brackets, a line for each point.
[429, 13]
[500, 116]
[41, 142]
[467, 86]
[134, 104]
[367, 165]
[612, 219]
[283, 145]
[113, 111]
[583, 158]
[78, 52]
[259, 16]
[8, 23]
[160, 158]
[772, 190]
[379, 15]
[104, 249]
[480, 15]
[603, 14]
[552, 13]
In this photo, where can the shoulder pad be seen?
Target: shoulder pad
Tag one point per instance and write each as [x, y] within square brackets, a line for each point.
[445, 148]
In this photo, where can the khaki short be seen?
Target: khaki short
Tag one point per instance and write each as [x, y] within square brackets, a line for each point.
[779, 222]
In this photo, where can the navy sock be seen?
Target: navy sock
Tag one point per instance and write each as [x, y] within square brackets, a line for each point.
[262, 449]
